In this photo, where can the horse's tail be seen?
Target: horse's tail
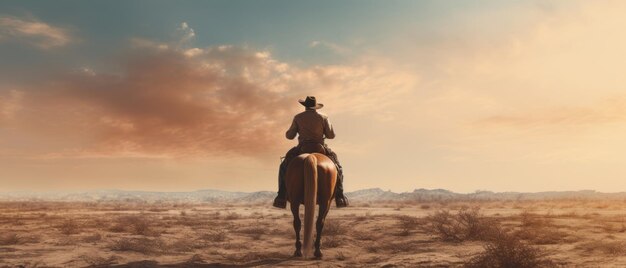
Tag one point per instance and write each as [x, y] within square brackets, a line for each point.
[310, 198]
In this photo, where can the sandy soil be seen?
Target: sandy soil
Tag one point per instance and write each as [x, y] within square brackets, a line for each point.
[562, 233]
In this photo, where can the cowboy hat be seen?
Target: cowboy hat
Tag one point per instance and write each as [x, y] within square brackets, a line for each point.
[311, 102]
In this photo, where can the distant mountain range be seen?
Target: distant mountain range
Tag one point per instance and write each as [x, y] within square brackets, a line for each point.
[367, 195]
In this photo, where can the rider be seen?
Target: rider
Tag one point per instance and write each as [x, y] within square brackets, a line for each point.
[312, 128]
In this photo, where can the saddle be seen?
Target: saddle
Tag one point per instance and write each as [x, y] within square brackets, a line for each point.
[311, 147]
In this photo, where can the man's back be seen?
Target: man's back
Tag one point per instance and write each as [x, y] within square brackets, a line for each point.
[311, 127]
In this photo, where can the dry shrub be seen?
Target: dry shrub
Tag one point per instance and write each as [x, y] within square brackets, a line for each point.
[238, 246]
[142, 245]
[544, 236]
[254, 232]
[66, 241]
[613, 248]
[334, 227]
[92, 238]
[538, 229]
[253, 256]
[9, 239]
[281, 231]
[466, 224]
[257, 215]
[364, 217]
[97, 261]
[33, 264]
[184, 244]
[529, 219]
[192, 221]
[505, 250]
[117, 228]
[69, 227]
[140, 225]
[407, 224]
[158, 209]
[340, 256]
[96, 222]
[363, 236]
[31, 238]
[134, 224]
[195, 259]
[331, 242]
[214, 236]
[232, 216]
[398, 247]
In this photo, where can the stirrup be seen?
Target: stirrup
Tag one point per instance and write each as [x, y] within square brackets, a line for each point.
[280, 203]
[341, 202]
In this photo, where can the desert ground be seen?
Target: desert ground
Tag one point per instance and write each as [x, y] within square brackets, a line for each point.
[564, 233]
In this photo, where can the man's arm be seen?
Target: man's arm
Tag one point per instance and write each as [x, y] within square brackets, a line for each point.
[329, 132]
[293, 130]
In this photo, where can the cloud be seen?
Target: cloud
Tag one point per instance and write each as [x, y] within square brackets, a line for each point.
[34, 32]
[219, 101]
[607, 111]
[10, 103]
[335, 48]
[185, 33]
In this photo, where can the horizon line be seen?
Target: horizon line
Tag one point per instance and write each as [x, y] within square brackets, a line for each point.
[230, 191]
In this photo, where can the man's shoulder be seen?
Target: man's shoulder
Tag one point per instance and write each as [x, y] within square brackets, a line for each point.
[323, 115]
[311, 113]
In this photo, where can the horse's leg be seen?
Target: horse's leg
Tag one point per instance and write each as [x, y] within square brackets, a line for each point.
[319, 227]
[295, 210]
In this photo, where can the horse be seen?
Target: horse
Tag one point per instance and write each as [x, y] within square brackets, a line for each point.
[310, 180]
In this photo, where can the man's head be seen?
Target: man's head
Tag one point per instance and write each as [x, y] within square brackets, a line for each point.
[311, 103]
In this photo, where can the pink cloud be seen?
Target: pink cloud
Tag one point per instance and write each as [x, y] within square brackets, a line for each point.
[32, 31]
[607, 111]
[166, 102]
[10, 104]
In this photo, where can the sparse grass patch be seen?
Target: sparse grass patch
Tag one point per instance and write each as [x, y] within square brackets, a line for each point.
[158, 210]
[97, 261]
[232, 216]
[397, 247]
[134, 224]
[613, 248]
[254, 232]
[334, 227]
[195, 259]
[340, 256]
[364, 217]
[466, 224]
[407, 224]
[69, 227]
[142, 245]
[66, 241]
[363, 236]
[331, 241]
[214, 236]
[9, 239]
[184, 244]
[506, 250]
[539, 230]
[92, 238]
[529, 219]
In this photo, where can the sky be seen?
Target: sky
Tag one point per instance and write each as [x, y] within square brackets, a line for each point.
[186, 95]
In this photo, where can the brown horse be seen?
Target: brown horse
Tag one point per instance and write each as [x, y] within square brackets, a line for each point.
[310, 179]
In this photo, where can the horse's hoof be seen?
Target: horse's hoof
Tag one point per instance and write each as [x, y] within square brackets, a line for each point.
[297, 253]
[318, 255]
